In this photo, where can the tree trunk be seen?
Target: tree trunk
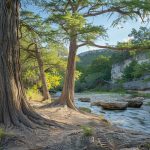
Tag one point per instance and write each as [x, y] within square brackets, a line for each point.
[45, 91]
[14, 109]
[67, 97]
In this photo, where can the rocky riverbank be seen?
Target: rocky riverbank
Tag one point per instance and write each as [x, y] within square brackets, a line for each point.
[134, 117]
[77, 131]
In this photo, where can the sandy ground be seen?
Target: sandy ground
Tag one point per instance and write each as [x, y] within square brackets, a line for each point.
[71, 136]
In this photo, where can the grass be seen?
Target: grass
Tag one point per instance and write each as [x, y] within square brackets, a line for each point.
[87, 131]
[102, 118]
[118, 90]
[148, 104]
[105, 92]
[85, 109]
[145, 95]
[33, 95]
[2, 133]
[147, 80]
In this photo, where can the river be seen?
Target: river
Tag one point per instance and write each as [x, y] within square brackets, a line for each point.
[137, 119]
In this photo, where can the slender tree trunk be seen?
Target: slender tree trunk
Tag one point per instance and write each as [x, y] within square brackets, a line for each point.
[14, 109]
[45, 91]
[67, 97]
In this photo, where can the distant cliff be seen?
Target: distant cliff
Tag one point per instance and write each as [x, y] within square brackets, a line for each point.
[119, 60]
[118, 68]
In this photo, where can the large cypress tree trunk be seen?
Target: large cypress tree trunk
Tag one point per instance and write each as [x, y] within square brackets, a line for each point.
[45, 91]
[14, 110]
[67, 97]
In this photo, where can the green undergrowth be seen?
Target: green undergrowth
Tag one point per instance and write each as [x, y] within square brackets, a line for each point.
[145, 95]
[102, 118]
[122, 92]
[85, 109]
[33, 95]
[2, 135]
[87, 130]
[148, 104]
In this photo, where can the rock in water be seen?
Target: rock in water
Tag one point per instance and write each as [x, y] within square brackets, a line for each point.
[86, 99]
[136, 102]
[96, 103]
[114, 105]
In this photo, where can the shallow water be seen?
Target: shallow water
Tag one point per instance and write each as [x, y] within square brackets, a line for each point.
[137, 119]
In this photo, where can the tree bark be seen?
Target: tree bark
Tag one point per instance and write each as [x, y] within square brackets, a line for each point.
[45, 91]
[14, 109]
[67, 97]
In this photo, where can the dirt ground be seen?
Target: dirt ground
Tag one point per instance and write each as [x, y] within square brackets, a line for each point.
[71, 135]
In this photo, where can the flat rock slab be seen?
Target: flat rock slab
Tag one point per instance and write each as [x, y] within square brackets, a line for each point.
[84, 99]
[114, 105]
[96, 103]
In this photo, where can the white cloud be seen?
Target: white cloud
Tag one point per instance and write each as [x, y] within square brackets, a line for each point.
[127, 39]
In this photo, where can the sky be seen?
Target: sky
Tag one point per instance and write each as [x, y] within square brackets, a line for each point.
[116, 34]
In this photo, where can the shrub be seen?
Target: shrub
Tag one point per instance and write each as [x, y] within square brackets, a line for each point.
[87, 131]
[33, 94]
[128, 73]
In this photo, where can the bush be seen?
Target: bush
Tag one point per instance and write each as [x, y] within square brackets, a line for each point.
[128, 73]
[80, 86]
[118, 57]
[135, 70]
[33, 94]
[96, 74]
[87, 131]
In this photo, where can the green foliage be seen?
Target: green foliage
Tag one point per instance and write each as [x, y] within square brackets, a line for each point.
[52, 80]
[87, 131]
[85, 109]
[35, 31]
[101, 65]
[141, 69]
[136, 94]
[140, 38]
[147, 80]
[142, 35]
[54, 67]
[148, 104]
[135, 70]
[72, 21]
[69, 20]
[2, 133]
[119, 57]
[33, 94]
[97, 73]
[86, 58]
[129, 70]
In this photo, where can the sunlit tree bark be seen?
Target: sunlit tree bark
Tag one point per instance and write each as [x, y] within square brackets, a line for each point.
[14, 109]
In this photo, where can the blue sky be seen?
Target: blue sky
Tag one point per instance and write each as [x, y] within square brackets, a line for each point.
[116, 34]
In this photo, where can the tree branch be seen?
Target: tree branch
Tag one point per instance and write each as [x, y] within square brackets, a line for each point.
[112, 9]
[134, 47]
